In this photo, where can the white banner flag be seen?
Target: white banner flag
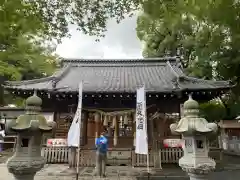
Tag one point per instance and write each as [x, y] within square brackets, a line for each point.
[141, 142]
[75, 128]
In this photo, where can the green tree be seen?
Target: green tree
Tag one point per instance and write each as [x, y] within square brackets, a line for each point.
[22, 42]
[23, 38]
[206, 34]
[54, 16]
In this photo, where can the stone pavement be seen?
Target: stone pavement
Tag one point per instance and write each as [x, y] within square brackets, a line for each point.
[230, 171]
[61, 172]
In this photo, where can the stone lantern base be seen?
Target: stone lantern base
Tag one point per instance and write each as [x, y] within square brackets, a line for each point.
[199, 173]
[24, 176]
[198, 176]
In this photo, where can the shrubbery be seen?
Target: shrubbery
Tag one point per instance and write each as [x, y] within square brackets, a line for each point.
[216, 110]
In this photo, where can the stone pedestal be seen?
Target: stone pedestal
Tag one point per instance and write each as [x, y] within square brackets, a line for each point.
[24, 176]
[199, 173]
[198, 176]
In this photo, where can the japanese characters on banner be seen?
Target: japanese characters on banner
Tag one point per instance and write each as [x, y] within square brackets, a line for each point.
[172, 143]
[141, 142]
[56, 142]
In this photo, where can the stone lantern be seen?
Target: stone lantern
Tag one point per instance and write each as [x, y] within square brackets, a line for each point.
[29, 129]
[195, 132]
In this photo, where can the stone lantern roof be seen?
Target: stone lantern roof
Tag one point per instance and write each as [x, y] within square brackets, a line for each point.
[32, 120]
[191, 123]
[34, 100]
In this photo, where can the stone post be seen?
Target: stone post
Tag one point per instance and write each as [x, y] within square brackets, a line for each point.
[29, 128]
[195, 132]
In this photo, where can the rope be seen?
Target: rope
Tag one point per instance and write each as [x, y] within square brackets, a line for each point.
[113, 113]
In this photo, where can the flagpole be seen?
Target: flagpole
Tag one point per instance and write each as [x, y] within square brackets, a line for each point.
[79, 142]
[78, 155]
[145, 104]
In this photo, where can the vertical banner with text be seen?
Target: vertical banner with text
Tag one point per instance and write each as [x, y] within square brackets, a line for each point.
[141, 142]
[74, 133]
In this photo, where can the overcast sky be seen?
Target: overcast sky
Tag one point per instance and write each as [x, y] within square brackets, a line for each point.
[120, 42]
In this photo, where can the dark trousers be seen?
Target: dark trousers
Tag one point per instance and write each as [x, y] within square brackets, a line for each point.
[101, 161]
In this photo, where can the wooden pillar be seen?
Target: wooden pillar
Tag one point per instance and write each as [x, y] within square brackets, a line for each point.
[109, 128]
[97, 119]
[116, 130]
[149, 129]
[134, 129]
[90, 126]
[125, 123]
[84, 127]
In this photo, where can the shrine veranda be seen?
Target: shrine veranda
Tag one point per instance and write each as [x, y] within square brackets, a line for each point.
[109, 102]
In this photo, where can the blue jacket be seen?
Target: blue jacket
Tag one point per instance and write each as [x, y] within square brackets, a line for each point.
[102, 144]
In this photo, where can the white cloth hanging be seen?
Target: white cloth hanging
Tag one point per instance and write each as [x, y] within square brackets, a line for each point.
[74, 132]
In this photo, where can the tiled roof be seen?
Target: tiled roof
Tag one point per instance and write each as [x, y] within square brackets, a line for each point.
[108, 75]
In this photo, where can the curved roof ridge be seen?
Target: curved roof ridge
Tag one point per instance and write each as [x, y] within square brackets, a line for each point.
[99, 60]
[62, 71]
[172, 70]
[32, 81]
[205, 80]
[135, 64]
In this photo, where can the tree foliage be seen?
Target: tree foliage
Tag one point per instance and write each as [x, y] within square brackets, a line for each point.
[55, 15]
[25, 51]
[213, 111]
[205, 34]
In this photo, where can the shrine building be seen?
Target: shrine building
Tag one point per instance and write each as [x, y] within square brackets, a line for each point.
[109, 96]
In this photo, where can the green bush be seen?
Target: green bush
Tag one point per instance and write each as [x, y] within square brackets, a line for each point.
[213, 111]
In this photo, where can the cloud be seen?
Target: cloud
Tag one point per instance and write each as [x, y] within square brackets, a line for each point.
[120, 42]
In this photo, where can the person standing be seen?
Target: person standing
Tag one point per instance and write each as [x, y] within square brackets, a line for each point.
[101, 154]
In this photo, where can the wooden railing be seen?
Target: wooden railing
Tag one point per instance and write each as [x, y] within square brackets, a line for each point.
[55, 154]
[120, 156]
